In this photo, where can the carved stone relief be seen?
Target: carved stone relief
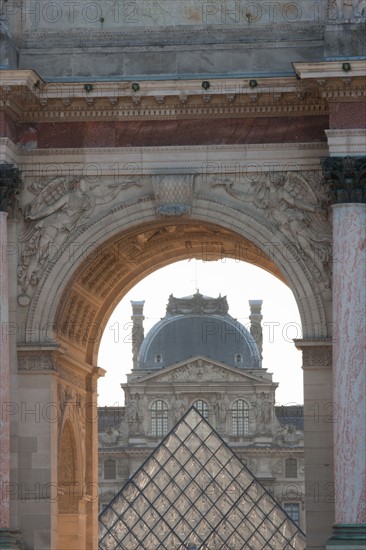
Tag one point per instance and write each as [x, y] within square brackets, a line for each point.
[317, 357]
[289, 435]
[36, 361]
[277, 467]
[173, 194]
[195, 371]
[296, 209]
[263, 412]
[349, 10]
[59, 207]
[197, 304]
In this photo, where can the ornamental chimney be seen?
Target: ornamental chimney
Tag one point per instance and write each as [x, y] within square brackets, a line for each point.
[256, 323]
[137, 334]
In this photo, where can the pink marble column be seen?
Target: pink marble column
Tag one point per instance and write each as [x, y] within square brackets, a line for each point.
[4, 376]
[349, 361]
[9, 185]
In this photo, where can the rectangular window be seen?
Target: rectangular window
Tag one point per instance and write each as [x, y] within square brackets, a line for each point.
[293, 510]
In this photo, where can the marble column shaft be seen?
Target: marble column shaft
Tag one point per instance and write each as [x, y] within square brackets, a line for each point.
[4, 376]
[349, 355]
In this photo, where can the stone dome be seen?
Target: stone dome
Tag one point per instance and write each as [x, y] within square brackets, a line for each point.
[198, 325]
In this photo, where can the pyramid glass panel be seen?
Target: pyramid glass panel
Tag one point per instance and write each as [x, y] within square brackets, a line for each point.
[194, 493]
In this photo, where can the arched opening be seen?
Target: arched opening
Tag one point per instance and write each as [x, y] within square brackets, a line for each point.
[85, 292]
[240, 282]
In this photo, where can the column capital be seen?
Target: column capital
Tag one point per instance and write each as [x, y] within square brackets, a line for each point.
[10, 182]
[345, 179]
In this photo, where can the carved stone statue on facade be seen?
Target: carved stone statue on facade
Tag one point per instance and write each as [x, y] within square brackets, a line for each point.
[263, 412]
[136, 412]
[179, 407]
[220, 411]
[346, 9]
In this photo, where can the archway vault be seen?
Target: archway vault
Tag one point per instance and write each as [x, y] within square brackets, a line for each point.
[115, 266]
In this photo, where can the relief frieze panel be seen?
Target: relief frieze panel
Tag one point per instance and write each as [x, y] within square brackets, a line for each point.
[30, 361]
[317, 357]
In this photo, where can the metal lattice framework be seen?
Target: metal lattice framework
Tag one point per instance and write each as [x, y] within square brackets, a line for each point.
[194, 493]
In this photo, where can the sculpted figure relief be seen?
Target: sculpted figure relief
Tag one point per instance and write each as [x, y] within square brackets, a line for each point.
[59, 207]
[347, 9]
[291, 204]
[289, 435]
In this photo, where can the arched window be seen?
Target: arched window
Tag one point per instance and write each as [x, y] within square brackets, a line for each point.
[291, 467]
[202, 408]
[238, 358]
[109, 469]
[159, 418]
[158, 358]
[240, 417]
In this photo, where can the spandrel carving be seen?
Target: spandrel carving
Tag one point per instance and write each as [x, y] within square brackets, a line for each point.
[296, 211]
[292, 205]
[50, 219]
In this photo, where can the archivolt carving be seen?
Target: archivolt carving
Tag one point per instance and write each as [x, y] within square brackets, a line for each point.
[77, 319]
[51, 217]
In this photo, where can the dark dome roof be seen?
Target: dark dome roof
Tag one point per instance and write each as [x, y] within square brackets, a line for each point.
[198, 325]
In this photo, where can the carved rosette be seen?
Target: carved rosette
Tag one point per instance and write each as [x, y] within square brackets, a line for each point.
[10, 182]
[345, 179]
[173, 194]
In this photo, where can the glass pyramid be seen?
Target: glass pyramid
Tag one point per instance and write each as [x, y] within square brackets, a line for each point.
[194, 493]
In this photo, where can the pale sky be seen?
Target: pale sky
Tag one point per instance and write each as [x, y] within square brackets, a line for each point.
[240, 282]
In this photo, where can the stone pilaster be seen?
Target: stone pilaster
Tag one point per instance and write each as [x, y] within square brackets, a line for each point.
[9, 185]
[137, 329]
[318, 440]
[346, 181]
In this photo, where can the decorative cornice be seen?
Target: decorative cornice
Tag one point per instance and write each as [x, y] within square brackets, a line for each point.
[330, 69]
[170, 159]
[28, 99]
[346, 142]
[10, 182]
[345, 178]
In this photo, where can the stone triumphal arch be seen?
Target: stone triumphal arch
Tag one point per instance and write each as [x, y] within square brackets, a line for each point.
[155, 135]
